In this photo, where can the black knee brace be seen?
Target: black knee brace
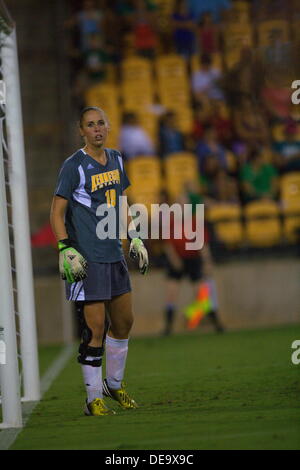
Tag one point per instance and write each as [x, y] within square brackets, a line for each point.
[85, 350]
[86, 335]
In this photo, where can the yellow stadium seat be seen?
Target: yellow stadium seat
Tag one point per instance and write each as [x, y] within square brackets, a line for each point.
[136, 97]
[137, 89]
[267, 28]
[171, 67]
[173, 85]
[149, 122]
[106, 97]
[291, 228]
[144, 173]
[103, 95]
[110, 73]
[180, 168]
[226, 219]
[184, 117]
[290, 190]
[174, 96]
[231, 161]
[239, 13]
[136, 69]
[236, 37]
[290, 197]
[263, 228]
[145, 198]
[278, 132]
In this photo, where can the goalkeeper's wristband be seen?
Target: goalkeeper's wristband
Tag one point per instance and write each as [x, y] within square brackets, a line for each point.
[133, 235]
[62, 244]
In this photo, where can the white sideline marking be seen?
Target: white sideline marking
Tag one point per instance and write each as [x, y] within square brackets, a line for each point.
[8, 436]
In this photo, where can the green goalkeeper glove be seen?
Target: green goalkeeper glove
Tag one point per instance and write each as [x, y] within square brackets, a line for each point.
[72, 265]
[138, 251]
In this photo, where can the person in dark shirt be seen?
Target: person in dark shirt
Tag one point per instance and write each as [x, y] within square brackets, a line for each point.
[87, 197]
[170, 138]
[184, 30]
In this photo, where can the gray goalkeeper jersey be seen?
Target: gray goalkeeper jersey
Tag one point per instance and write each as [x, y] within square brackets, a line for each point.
[87, 184]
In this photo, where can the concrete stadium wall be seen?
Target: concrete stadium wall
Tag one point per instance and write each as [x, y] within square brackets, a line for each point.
[253, 294]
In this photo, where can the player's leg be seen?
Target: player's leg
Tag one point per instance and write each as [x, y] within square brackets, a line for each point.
[172, 292]
[195, 269]
[121, 320]
[90, 357]
[121, 316]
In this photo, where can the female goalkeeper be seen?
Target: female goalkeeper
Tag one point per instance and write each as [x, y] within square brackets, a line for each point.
[94, 267]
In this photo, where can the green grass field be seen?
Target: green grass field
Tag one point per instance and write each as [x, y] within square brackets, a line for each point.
[196, 391]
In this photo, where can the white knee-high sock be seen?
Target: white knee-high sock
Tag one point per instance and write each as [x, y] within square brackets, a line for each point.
[92, 377]
[116, 354]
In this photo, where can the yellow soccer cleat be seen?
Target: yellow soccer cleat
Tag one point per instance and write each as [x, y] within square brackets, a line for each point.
[97, 408]
[121, 396]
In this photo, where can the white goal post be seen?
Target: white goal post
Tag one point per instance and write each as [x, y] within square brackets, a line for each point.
[14, 188]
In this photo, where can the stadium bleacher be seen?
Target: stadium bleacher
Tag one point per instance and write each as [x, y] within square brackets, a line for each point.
[151, 86]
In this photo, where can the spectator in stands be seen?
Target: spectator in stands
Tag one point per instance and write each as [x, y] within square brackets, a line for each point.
[258, 178]
[88, 21]
[278, 53]
[216, 184]
[145, 36]
[195, 193]
[133, 139]
[210, 145]
[250, 123]
[205, 81]
[113, 42]
[276, 98]
[125, 10]
[289, 149]
[270, 9]
[225, 188]
[95, 59]
[222, 122]
[202, 117]
[208, 34]
[221, 187]
[245, 79]
[184, 30]
[170, 138]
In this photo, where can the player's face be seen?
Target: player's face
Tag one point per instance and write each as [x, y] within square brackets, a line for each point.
[94, 128]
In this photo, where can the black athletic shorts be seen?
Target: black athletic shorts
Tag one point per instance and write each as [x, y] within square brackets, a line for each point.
[192, 268]
[103, 281]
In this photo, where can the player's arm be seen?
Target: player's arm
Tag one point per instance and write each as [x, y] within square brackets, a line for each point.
[72, 265]
[57, 217]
